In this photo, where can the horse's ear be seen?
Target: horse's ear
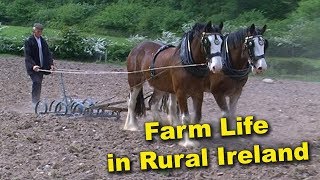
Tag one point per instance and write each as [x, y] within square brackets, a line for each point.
[209, 24]
[221, 25]
[264, 29]
[252, 29]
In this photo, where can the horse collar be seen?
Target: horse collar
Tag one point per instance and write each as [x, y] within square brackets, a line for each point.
[227, 65]
[152, 66]
[187, 59]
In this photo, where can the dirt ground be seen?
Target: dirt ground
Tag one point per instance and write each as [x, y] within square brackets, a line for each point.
[59, 147]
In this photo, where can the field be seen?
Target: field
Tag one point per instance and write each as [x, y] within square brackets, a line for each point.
[58, 147]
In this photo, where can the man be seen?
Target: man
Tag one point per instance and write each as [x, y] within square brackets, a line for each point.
[37, 56]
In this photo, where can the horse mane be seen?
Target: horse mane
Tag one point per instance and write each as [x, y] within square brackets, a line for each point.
[196, 29]
[237, 38]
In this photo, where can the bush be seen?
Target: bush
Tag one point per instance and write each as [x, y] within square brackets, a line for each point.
[22, 11]
[47, 16]
[244, 20]
[73, 45]
[71, 14]
[159, 19]
[70, 46]
[96, 48]
[118, 52]
[119, 18]
[12, 45]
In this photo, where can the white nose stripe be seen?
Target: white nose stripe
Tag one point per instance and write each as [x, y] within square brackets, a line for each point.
[262, 64]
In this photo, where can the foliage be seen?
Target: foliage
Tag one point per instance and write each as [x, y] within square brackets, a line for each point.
[135, 39]
[95, 47]
[169, 38]
[70, 45]
[293, 26]
[71, 14]
[273, 9]
[309, 9]
[21, 11]
[11, 45]
[158, 19]
[118, 52]
[247, 18]
[118, 17]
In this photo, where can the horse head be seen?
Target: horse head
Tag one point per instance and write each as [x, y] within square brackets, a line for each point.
[211, 42]
[256, 46]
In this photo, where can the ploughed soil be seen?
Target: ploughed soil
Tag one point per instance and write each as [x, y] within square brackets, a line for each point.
[75, 147]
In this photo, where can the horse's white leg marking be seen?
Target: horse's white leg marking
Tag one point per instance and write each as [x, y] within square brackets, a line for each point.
[186, 142]
[172, 116]
[131, 121]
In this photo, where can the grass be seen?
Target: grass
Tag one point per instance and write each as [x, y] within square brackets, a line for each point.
[296, 68]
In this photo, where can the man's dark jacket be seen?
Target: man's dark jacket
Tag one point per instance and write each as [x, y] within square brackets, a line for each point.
[31, 53]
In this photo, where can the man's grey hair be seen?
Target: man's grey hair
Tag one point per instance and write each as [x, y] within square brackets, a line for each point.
[37, 26]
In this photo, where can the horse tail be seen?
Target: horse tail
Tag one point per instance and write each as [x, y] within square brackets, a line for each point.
[140, 109]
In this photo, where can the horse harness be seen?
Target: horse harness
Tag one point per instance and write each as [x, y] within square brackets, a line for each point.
[152, 66]
[186, 54]
[237, 74]
[249, 44]
[207, 44]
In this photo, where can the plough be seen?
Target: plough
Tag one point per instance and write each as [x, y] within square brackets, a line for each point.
[70, 107]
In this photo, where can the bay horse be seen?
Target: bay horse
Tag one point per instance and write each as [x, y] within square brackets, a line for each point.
[244, 51]
[200, 46]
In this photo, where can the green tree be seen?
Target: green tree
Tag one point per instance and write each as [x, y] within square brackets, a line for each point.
[308, 9]
[119, 18]
[22, 11]
[273, 9]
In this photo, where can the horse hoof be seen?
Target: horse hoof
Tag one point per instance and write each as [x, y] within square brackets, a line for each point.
[131, 128]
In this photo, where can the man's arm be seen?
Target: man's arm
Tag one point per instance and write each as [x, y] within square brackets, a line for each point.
[30, 63]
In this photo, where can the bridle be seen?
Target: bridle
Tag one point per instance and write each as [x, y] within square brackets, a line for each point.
[206, 44]
[249, 44]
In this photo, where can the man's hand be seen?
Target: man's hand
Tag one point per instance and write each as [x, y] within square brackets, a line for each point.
[36, 68]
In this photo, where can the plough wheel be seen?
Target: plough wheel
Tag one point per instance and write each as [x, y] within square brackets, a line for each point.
[61, 108]
[77, 108]
[41, 108]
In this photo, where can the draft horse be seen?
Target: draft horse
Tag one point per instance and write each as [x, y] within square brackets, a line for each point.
[200, 46]
[244, 51]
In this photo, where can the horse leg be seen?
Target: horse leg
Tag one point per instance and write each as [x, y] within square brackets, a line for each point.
[233, 101]
[222, 103]
[185, 119]
[131, 121]
[197, 105]
[173, 114]
[233, 107]
[154, 105]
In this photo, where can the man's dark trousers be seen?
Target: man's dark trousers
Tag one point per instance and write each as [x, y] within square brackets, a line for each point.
[36, 78]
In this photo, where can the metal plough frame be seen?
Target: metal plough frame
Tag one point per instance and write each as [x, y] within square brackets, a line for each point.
[68, 106]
